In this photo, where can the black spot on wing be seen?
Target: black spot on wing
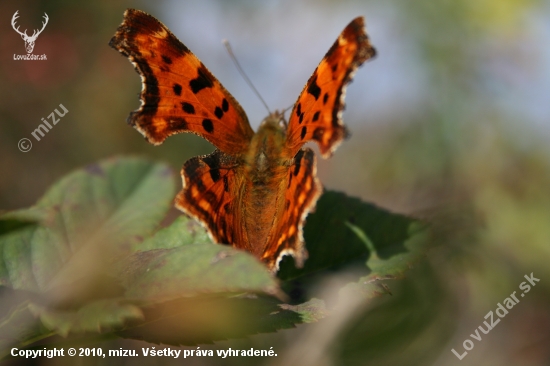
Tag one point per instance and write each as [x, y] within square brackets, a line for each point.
[218, 112]
[325, 98]
[177, 89]
[207, 125]
[214, 174]
[316, 116]
[190, 169]
[187, 107]
[166, 59]
[298, 161]
[313, 88]
[225, 105]
[214, 164]
[202, 81]
[303, 133]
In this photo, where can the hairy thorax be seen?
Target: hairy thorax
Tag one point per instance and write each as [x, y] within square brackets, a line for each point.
[266, 171]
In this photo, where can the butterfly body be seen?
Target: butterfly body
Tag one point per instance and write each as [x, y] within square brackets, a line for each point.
[266, 171]
[256, 189]
[266, 151]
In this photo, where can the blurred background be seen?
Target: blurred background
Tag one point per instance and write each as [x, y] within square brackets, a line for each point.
[451, 122]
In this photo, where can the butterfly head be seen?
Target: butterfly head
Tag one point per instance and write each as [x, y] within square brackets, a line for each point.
[275, 120]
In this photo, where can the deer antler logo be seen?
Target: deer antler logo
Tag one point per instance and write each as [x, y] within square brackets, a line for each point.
[29, 41]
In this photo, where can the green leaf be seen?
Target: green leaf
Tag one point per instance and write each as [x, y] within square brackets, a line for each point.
[121, 197]
[96, 316]
[183, 231]
[310, 311]
[341, 231]
[87, 220]
[183, 263]
[93, 214]
[395, 266]
[20, 219]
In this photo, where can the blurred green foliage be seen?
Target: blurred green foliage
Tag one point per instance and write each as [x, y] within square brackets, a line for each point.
[91, 268]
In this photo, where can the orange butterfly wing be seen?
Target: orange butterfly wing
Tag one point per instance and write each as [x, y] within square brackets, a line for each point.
[317, 112]
[179, 93]
[301, 193]
[210, 193]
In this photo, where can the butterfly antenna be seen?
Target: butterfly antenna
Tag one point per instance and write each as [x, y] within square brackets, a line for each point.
[241, 71]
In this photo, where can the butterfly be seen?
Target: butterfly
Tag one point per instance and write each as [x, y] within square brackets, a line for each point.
[256, 189]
